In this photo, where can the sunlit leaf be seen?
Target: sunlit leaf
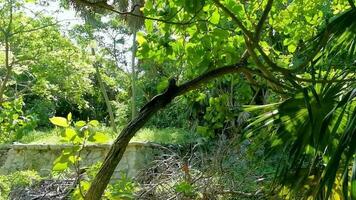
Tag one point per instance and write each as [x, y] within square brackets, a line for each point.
[99, 137]
[59, 121]
[94, 123]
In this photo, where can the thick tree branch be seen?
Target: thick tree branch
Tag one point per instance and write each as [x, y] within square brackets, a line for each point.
[262, 20]
[234, 18]
[105, 6]
[158, 102]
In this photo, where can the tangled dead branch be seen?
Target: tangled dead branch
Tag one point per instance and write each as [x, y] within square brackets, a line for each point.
[201, 171]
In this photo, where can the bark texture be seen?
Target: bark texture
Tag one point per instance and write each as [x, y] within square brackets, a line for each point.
[158, 102]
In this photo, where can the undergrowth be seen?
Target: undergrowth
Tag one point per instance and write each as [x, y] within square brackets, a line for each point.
[162, 136]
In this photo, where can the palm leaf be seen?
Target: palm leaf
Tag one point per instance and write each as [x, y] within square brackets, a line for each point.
[353, 181]
[314, 119]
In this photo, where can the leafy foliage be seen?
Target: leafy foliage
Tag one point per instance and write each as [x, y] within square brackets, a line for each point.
[15, 181]
[14, 123]
[76, 133]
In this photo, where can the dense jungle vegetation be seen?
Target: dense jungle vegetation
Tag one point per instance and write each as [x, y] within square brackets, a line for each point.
[244, 99]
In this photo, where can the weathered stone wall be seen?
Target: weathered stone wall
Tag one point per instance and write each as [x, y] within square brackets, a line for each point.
[40, 157]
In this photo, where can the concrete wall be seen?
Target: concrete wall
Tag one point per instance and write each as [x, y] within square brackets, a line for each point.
[40, 157]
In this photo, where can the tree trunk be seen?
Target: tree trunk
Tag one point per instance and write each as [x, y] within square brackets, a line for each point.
[118, 148]
[133, 77]
[106, 98]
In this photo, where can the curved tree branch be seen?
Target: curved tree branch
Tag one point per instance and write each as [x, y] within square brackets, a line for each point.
[105, 6]
[158, 102]
[234, 18]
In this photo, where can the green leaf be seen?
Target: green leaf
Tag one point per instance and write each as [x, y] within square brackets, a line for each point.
[59, 121]
[99, 137]
[69, 116]
[94, 123]
[80, 124]
[215, 17]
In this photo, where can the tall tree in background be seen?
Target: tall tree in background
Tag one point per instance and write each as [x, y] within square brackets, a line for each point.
[134, 23]
[283, 47]
[35, 58]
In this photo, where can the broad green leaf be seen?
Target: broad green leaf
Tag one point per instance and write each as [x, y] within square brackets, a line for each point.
[94, 123]
[77, 140]
[85, 134]
[148, 5]
[276, 142]
[215, 17]
[59, 121]
[100, 137]
[80, 124]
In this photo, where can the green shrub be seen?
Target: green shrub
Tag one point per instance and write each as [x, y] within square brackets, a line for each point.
[14, 124]
[16, 180]
[42, 108]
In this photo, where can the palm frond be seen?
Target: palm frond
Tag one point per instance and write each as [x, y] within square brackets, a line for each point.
[316, 128]
[336, 42]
